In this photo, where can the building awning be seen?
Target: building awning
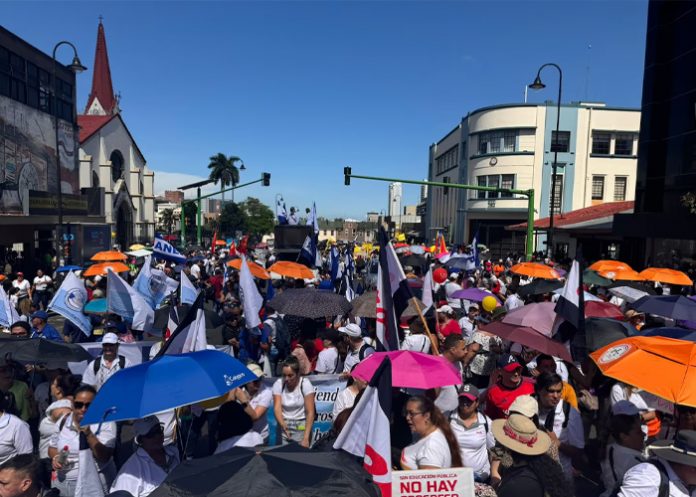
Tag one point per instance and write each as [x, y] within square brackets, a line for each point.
[595, 217]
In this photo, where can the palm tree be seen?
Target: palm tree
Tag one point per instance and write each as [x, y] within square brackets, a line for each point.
[222, 169]
[167, 220]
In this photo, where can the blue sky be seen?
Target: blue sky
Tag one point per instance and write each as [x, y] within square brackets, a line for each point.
[302, 89]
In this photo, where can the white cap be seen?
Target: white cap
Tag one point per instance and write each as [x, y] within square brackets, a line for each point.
[111, 338]
[352, 330]
[445, 309]
[525, 405]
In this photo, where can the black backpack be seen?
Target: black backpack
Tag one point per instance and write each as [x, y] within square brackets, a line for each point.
[97, 363]
[663, 490]
[282, 337]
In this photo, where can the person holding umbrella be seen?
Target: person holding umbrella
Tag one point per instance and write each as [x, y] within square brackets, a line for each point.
[293, 404]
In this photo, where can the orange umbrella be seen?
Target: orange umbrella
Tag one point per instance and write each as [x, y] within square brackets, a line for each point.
[609, 265]
[256, 270]
[221, 243]
[101, 269]
[109, 255]
[635, 360]
[669, 276]
[291, 270]
[535, 270]
[621, 274]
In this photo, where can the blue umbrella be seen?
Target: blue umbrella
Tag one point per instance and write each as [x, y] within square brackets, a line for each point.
[65, 269]
[677, 333]
[671, 306]
[165, 383]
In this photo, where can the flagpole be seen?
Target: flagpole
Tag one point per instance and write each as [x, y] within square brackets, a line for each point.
[433, 340]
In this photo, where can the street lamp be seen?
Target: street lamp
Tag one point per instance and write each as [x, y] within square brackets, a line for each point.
[76, 67]
[538, 85]
[241, 168]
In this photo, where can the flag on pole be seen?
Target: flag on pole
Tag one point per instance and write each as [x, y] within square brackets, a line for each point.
[474, 249]
[8, 313]
[281, 211]
[312, 219]
[189, 334]
[366, 433]
[393, 294]
[189, 292]
[335, 264]
[88, 482]
[212, 248]
[252, 301]
[162, 249]
[570, 307]
[124, 300]
[68, 301]
[428, 290]
[153, 284]
[309, 251]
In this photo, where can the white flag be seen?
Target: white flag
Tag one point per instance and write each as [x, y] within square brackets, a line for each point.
[124, 300]
[8, 313]
[428, 290]
[153, 284]
[251, 298]
[189, 292]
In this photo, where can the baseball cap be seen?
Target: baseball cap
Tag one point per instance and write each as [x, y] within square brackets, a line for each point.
[525, 405]
[145, 425]
[509, 363]
[41, 315]
[470, 392]
[110, 337]
[624, 408]
[352, 330]
[445, 309]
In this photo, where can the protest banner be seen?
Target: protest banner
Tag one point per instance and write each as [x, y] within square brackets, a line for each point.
[453, 482]
[326, 387]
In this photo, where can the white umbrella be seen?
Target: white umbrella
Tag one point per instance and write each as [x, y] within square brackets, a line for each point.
[629, 294]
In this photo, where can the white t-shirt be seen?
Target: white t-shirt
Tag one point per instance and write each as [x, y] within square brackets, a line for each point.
[643, 480]
[70, 437]
[195, 271]
[468, 328]
[104, 373]
[416, 343]
[15, 437]
[292, 402]
[573, 434]
[327, 361]
[140, 475]
[23, 286]
[249, 439]
[474, 442]
[431, 450]
[41, 283]
[344, 400]
[618, 461]
[263, 398]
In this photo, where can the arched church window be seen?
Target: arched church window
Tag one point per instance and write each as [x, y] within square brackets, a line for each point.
[116, 165]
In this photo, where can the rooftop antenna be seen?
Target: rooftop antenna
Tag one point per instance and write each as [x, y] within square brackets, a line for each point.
[587, 73]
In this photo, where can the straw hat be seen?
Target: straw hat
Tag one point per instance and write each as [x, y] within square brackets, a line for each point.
[519, 434]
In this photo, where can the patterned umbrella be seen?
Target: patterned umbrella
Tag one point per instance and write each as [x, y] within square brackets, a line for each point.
[310, 303]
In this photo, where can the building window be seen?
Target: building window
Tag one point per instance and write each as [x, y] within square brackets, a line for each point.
[496, 181]
[560, 142]
[507, 181]
[623, 144]
[600, 143]
[116, 165]
[620, 184]
[597, 187]
[493, 142]
[558, 193]
[509, 140]
[447, 160]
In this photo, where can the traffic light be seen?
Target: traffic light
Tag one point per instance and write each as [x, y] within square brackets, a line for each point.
[346, 173]
[266, 178]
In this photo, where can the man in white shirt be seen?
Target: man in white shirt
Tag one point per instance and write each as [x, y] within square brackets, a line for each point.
[40, 289]
[468, 322]
[357, 348]
[513, 301]
[452, 286]
[196, 271]
[104, 366]
[672, 473]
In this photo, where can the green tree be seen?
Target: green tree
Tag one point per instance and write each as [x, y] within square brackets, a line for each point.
[167, 220]
[222, 169]
[260, 218]
[232, 218]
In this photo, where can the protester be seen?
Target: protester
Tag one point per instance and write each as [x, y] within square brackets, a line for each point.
[41, 328]
[416, 340]
[236, 428]
[105, 366]
[472, 429]
[40, 290]
[151, 462]
[651, 421]
[20, 476]
[100, 438]
[50, 422]
[626, 450]
[23, 404]
[256, 399]
[329, 361]
[546, 363]
[483, 364]
[469, 322]
[507, 388]
[15, 437]
[358, 349]
[346, 397]
[293, 404]
[23, 288]
[447, 323]
[437, 446]
[454, 351]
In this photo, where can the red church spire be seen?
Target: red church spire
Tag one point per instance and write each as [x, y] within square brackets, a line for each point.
[101, 99]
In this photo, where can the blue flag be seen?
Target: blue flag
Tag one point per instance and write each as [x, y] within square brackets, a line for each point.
[309, 250]
[162, 249]
[335, 263]
[69, 301]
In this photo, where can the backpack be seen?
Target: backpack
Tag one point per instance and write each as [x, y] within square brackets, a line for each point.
[663, 489]
[282, 337]
[362, 353]
[97, 363]
[548, 424]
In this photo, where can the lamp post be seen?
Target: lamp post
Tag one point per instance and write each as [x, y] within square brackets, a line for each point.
[538, 85]
[76, 67]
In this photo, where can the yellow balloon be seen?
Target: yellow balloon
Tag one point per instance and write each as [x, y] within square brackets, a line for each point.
[489, 303]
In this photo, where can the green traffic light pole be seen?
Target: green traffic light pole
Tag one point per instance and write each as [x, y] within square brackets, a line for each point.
[265, 179]
[529, 246]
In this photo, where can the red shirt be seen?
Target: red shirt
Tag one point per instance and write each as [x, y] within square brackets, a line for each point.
[499, 398]
[216, 283]
[451, 327]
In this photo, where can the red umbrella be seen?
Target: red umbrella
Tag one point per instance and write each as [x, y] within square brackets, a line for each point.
[528, 337]
[598, 309]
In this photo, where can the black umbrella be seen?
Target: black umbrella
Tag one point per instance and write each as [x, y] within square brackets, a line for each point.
[212, 320]
[42, 350]
[458, 263]
[600, 332]
[634, 284]
[310, 303]
[413, 260]
[289, 471]
[539, 286]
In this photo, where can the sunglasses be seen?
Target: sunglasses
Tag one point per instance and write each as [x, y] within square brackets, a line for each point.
[81, 405]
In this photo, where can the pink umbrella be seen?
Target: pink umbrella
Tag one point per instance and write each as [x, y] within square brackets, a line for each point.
[603, 310]
[411, 369]
[528, 337]
[539, 316]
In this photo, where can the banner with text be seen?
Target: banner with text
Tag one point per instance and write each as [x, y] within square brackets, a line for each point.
[453, 482]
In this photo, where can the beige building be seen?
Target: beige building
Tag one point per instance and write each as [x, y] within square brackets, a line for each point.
[508, 146]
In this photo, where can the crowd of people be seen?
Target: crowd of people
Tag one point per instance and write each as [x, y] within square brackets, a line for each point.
[527, 423]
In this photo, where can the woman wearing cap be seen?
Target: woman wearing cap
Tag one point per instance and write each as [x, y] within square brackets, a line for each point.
[529, 472]
[256, 399]
[448, 325]
[293, 404]
[437, 447]
[102, 445]
[473, 433]
[151, 462]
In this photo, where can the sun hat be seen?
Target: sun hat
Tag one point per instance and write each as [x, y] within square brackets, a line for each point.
[681, 450]
[519, 434]
[352, 330]
[526, 405]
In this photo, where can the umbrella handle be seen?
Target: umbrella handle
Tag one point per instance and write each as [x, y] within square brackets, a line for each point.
[110, 410]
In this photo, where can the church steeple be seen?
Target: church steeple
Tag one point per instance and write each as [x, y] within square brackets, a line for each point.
[101, 99]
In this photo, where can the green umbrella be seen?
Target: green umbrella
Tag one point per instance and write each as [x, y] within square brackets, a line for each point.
[593, 278]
